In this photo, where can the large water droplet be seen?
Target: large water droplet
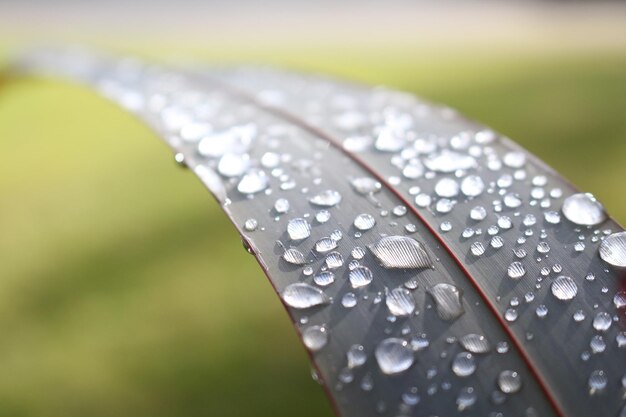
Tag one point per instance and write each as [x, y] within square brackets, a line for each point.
[324, 278]
[472, 186]
[602, 321]
[613, 249]
[516, 270]
[475, 343]
[463, 364]
[233, 165]
[564, 288]
[447, 187]
[448, 300]
[360, 276]
[334, 260]
[364, 222]
[400, 302]
[583, 209]
[219, 143]
[301, 295]
[294, 256]
[253, 182]
[325, 244]
[449, 161]
[394, 356]
[509, 382]
[298, 229]
[327, 198]
[400, 252]
[315, 337]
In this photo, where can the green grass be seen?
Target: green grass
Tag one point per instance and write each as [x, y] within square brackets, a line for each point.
[124, 290]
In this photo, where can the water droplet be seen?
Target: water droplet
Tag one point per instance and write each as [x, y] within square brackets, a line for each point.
[579, 316]
[512, 200]
[510, 314]
[477, 248]
[366, 185]
[324, 278]
[466, 398]
[497, 242]
[364, 222]
[514, 159]
[400, 252]
[250, 225]
[399, 211]
[564, 288]
[389, 141]
[322, 216]
[447, 187]
[301, 295]
[356, 356]
[597, 381]
[360, 276]
[233, 165]
[419, 343]
[597, 344]
[327, 198]
[516, 270]
[579, 246]
[613, 249]
[400, 302]
[298, 229]
[358, 252]
[543, 247]
[552, 217]
[475, 343]
[509, 382]
[448, 300]
[334, 260]
[394, 356]
[315, 337]
[294, 256]
[619, 300]
[281, 205]
[422, 200]
[472, 186]
[478, 213]
[325, 244]
[270, 160]
[219, 143]
[448, 161]
[253, 182]
[583, 209]
[444, 205]
[445, 226]
[602, 321]
[541, 311]
[348, 300]
[463, 364]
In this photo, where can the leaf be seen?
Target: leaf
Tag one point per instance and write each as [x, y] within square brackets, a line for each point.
[431, 266]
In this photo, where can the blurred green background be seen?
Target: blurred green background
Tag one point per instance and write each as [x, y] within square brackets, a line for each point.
[125, 292]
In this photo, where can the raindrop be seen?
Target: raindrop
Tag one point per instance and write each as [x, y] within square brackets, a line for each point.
[448, 161]
[514, 159]
[315, 337]
[301, 295]
[509, 382]
[400, 302]
[583, 209]
[394, 356]
[360, 276]
[613, 249]
[348, 300]
[358, 252]
[541, 311]
[516, 270]
[419, 343]
[327, 198]
[294, 256]
[478, 213]
[356, 356]
[322, 216]
[564, 288]
[334, 260]
[472, 186]
[399, 211]
[400, 252]
[389, 141]
[505, 222]
[445, 226]
[422, 200]
[463, 364]
[543, 247]
[620, 299]
[512, 200]
[447, 187]
[579, 246]
[364, 222]
[281, 205]
[475, 343]
[552, 217]
[466, 398]
[325, 244]
[444, 205]
[324, 278]
[497, 242]
[298, 229]
[366, 185]
[250, 225]
[448, 300]
[602, 321]
[253, 182]
[233, 165]
[597, 344]
[597, 381]
[510, 314]
[477, 248]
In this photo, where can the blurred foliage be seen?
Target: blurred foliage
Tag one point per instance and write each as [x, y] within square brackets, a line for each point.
[124, 290]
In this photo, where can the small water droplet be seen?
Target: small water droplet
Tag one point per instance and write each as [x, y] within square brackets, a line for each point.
[365, 185]
[250, 225]
[510, 314]
[298, 229]
[541, 311]
[564, 288]
[497, 242]
[619, 300]
[327, 198]
[322, 216]
[301, 295]
[281, 205]
[477, 248]
[583, 209]
[360, 276]
[389, 140]
[294, 256]
[613, 249]
[394, 356]
[466, 398]
[324, 278]
[356, 356]
[364, 222]
[400, 302]
[478, 213]
[445, 226]
[448, 300]
[448, 161]
[597, 381]
[597, 344]
[253, 182]
[509, 382]
[602, 321]
[400, 252]
[472, 186]
[325, 244]
[233, 165]
[447, 187]
[552, 217]
[334, 260]
[516, 270]
[348, 300]
[475, 343]
[543, 247]
[315, 337]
